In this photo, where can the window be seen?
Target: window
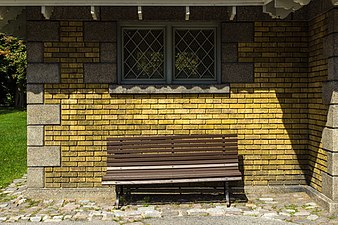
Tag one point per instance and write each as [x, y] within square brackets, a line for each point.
[169, 54]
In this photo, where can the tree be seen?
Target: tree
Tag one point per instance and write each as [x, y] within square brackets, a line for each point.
[13, 64]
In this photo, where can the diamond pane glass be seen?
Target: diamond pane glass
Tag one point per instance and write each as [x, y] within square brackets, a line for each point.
[143, 54]
[195, 54]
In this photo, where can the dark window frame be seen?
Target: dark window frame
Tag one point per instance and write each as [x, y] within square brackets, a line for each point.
[169, 47]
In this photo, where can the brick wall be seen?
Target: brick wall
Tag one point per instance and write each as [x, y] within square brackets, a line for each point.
[269, 115]
[317, 110]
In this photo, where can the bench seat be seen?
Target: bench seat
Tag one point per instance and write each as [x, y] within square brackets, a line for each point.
[171, 159]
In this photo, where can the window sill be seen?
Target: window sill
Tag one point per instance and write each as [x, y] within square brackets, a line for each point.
[169, 89]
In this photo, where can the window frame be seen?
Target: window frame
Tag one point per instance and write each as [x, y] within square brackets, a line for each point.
[169, 47]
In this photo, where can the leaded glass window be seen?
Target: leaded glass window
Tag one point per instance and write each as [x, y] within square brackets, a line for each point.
[169, 54]
[143, 54]
[195, 54]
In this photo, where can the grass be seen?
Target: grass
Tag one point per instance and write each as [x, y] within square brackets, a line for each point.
[12, 145]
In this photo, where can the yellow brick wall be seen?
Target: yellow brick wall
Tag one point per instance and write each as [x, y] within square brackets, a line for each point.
[317, 110]
[270, 115]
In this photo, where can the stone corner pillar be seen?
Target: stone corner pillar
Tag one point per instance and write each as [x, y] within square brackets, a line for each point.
[330, 98]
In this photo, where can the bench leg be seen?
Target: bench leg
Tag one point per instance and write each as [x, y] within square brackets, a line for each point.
[227, 193]
[118, 191]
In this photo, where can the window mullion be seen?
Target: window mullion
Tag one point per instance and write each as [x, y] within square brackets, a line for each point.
[169, 54]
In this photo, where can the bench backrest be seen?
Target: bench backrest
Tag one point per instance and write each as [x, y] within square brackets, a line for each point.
[173, 151]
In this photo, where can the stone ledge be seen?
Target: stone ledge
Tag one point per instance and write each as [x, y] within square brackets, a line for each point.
[44, 156]
[100, 195]
[169, 89]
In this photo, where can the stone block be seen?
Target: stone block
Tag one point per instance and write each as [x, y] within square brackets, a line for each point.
[35, 93]
[35, 52]
[330, 92]
[35, 135]
[330, 186]
[330, 45]
[333, 68]
[43, 73]
[251, 13]
[237, 32]
[115, 13]
[229, 52]
[35, 177]
[43, 114]
[100, 73]
[100, 31]
[72, 13]
[330, 139]
[237, 73]
[44, 156]
[332, 117]
[43, 31]
[108, 52]
[33, 13]
[332, 163]
[333, 21]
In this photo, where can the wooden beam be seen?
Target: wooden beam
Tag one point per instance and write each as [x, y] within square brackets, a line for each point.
[132, 2]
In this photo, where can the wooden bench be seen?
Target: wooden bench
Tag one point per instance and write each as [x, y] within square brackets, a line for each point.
[172, 159]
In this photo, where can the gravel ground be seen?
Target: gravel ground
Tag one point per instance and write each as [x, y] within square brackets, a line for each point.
[254, 208]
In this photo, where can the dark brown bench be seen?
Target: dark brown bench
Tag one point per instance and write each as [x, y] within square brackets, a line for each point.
[172, 159]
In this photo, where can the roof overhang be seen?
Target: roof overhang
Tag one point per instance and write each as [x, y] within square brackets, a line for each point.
[134, 2]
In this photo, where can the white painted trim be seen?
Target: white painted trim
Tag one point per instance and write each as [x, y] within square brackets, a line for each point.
[172, 167]
[47, 11]
[94, 12]
[233, 13]
[139, 12]
[131, 2]
[187, 13]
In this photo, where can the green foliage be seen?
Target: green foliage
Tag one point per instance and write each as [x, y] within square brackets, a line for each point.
[149, 62]
[12, 145]
[13, 64]
[187, 62]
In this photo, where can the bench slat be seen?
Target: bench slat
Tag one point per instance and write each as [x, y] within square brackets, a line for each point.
[152, 163]
[123, 156]
[165, 137]
[171, 166]
[172, 174]
[133, 142]
[160, 145]
[170, 181]
[173, 158]
[159, 149]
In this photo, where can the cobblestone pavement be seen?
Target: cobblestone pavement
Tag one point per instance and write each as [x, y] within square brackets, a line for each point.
[294, 207]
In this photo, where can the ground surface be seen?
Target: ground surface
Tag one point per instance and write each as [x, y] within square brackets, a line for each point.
[12, 145]
[256, 208]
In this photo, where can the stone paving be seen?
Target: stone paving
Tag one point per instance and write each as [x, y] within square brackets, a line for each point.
[294, 207]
